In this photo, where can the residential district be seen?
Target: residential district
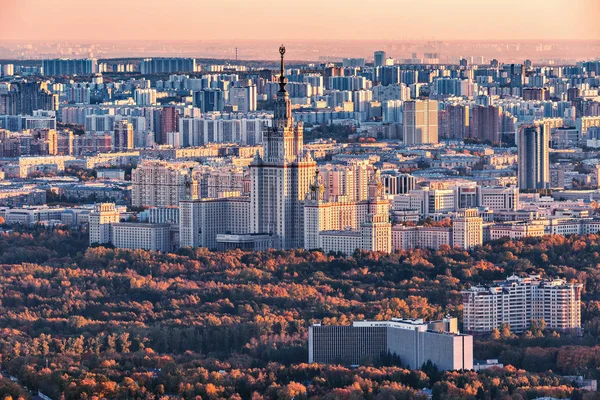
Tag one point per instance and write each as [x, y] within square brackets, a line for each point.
[375, 154]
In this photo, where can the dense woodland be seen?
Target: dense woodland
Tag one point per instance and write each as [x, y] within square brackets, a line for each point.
[82, 323]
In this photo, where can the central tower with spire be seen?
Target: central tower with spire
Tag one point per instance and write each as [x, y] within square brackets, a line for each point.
[284, 141]
[281, 178]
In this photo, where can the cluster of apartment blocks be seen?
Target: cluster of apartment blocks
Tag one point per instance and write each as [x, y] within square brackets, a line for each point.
[518, 301]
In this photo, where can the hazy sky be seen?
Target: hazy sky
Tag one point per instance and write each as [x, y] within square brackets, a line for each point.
[306, 19]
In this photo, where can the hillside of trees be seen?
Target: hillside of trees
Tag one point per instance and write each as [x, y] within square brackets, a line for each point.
[81, 323]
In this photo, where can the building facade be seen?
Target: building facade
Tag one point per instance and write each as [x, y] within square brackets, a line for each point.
[517, 301]
[414, 341]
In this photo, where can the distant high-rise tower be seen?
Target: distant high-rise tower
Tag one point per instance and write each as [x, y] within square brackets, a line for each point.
[534, 169]
[379, 58]
[281, 178]
[420, 122]
[169, 123]
[123, 136]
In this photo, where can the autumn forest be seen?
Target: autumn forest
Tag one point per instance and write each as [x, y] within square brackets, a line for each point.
[83, 323]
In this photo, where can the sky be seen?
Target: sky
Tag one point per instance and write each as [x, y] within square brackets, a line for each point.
[32, 20]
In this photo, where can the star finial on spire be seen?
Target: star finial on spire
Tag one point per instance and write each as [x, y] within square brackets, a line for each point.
[282, 80]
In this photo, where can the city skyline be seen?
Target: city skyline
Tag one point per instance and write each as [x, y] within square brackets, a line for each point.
[534, 20]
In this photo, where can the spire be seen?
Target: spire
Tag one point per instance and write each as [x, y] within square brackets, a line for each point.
[283, 107]
[282, 78]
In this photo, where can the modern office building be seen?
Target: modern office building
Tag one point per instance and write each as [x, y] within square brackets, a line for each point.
[420, 122]
[413, 341]
[398, 183]
[517, 301]
[499, 198]
[534, 157]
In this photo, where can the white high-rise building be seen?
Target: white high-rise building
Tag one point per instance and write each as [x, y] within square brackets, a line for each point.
[281, 178]
[243, 97]
[518, 301]
[420, 122]
[101, 218]
[8, 70]
[144, 97]
[467, 229]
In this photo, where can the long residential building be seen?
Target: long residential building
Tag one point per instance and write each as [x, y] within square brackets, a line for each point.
[518, 301]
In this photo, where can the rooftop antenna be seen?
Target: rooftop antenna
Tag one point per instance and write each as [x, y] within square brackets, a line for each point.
[236, 54]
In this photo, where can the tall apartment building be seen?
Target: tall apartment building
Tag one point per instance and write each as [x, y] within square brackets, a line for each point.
[23, 98]
[281, 178]
[426, 201]
[144, 97]
[347, 182]
[161, 183]
[379, 58]
[517, 301]
[534, 157]
[168, 123]
[101, 219]
[123, 136]
[65, 66]
[454, 122]
[467, 229]
[485, 123]
[167, 65]
[414, 341]
[244, 98]
[420, 122]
